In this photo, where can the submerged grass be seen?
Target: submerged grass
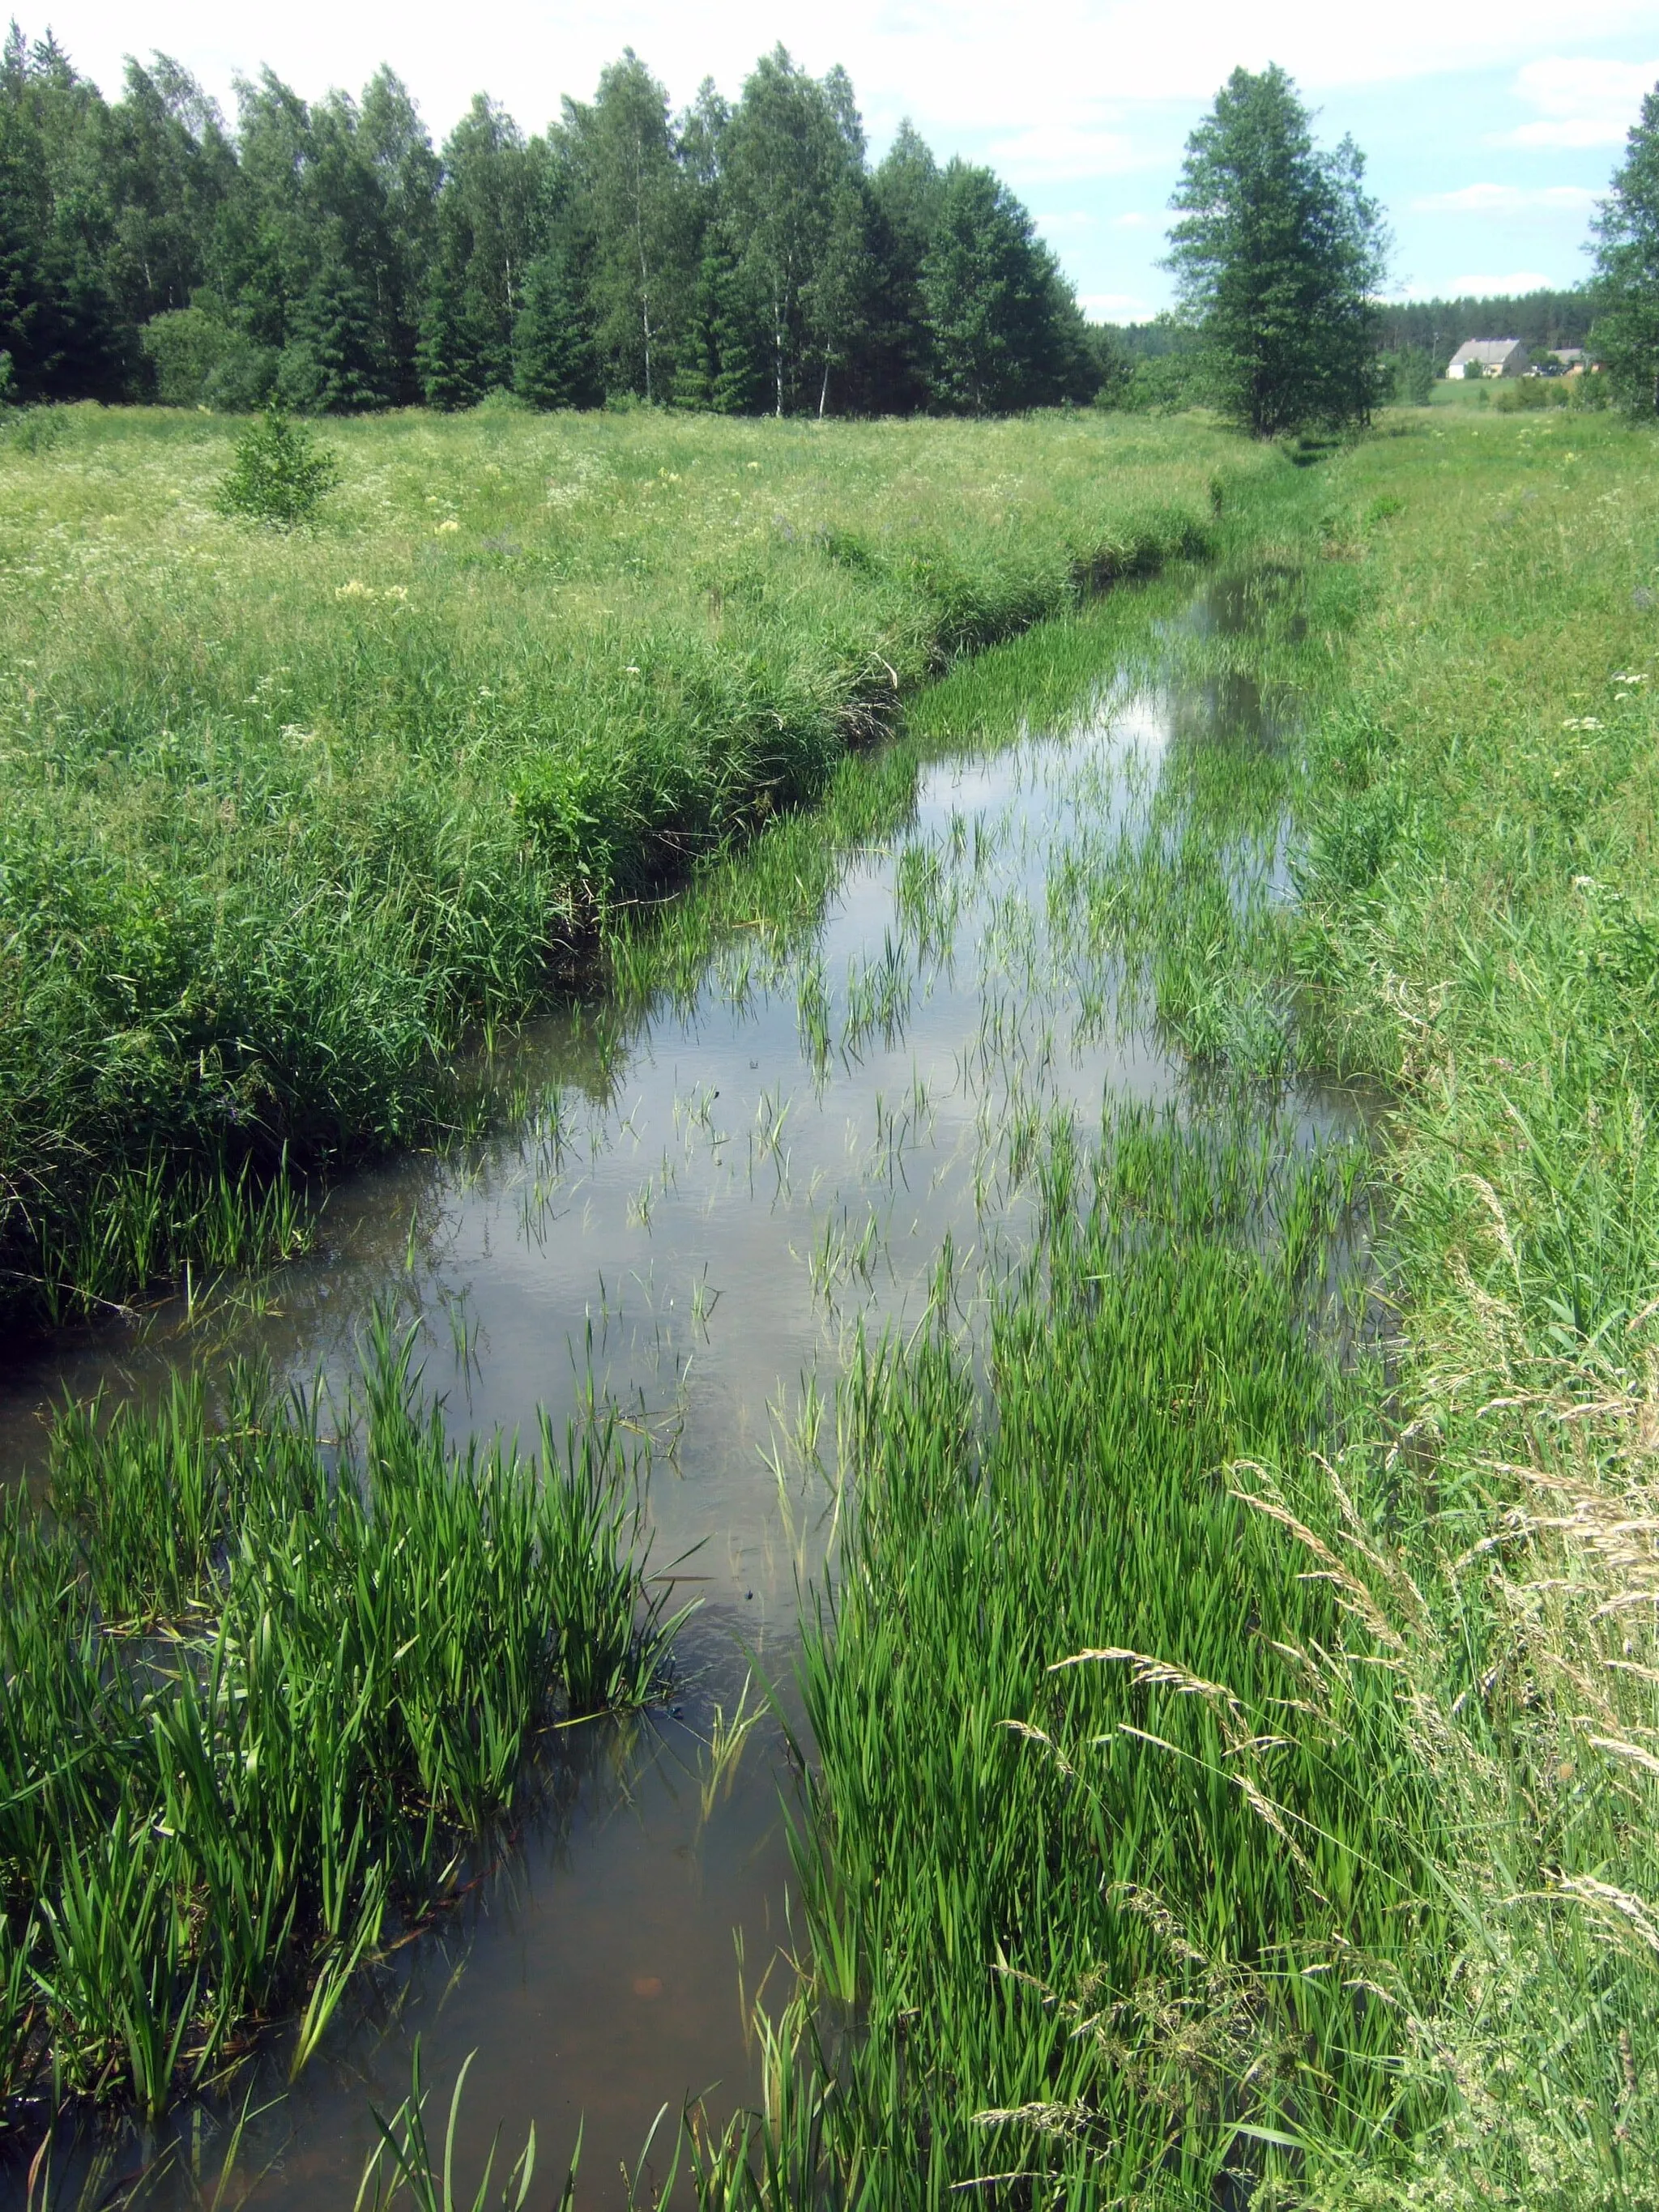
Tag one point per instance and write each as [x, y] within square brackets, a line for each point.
[285, 816]
[260, 1695]
[1116, 1838]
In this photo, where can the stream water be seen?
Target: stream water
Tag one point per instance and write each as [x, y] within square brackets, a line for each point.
[701, 1208]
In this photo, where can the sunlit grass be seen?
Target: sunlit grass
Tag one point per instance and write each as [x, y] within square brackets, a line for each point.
[284, 815]
[259, 1694]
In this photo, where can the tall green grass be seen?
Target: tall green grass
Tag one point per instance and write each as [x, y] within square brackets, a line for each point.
[285, 817]
[1479, 929]
[1115, 1862]
[260, 1695]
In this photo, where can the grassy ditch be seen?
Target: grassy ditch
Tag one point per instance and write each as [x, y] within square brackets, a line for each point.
[1235, 1738]
[286, 817]
[260, 1695]
[1117, 1861]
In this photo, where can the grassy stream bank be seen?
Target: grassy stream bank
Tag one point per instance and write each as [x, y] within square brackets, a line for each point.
[1235, 1764]
[283, 820]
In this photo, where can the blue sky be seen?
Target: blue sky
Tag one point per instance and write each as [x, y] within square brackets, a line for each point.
[1490, 126]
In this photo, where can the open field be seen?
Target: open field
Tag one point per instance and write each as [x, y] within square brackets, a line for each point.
[288, 818]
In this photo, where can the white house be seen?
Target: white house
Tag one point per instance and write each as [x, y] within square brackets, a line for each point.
[1490, 357]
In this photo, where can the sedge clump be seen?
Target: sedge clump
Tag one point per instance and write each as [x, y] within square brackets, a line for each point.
[279, 475]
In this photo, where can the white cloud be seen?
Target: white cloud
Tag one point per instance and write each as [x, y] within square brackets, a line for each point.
[1115, 307]
[1580, 102]
[1506, 199]
[1066, 225]
[1056, 83]
[1061, 150]
[1134, 221]
[1511, 282]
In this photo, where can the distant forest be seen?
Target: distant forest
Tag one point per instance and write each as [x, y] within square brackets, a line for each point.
[1436, 327]
[745, 257]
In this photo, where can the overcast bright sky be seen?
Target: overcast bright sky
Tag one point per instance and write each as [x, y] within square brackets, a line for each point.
[1491, 126]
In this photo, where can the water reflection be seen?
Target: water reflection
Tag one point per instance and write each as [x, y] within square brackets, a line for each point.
[701, 1208]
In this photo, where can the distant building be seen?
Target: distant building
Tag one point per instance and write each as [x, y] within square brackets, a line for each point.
[1568, 360]
[1490, 357]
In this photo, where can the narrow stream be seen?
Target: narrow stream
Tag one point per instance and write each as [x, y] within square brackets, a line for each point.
[701, 1209]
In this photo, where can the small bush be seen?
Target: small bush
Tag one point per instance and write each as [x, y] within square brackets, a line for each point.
[281, 475]
[1412, 377]
[1532, 394]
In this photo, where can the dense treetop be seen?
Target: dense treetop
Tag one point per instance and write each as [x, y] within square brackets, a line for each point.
[1277, 254]
[742, 258]
[739, 257]
[1627, 266]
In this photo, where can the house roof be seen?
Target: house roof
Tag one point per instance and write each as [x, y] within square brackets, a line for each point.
[1489, 352]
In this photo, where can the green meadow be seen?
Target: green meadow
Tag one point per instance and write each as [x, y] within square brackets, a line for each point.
[289, 819]
[1230, 1719]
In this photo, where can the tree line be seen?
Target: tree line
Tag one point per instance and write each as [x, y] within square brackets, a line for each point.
[1541, 320]
[1158, 365]
[743, 258]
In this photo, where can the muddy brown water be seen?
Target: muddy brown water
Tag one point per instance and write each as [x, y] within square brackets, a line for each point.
[698, 1216]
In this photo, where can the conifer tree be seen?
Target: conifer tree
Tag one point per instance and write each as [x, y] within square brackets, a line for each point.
[720, 369]
[1626, 332]
[1279, 255]
[450, 361]
[335, 363]
[554, 362]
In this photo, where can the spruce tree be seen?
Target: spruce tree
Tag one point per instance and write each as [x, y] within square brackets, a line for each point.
[335, 363]
[452, 372]
[721, 367]
[553, 357]
[1278, 255]
[1626, 332]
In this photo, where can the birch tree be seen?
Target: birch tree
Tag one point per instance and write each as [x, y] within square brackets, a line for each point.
[1279, 255]
[791, 148]
[623, 155]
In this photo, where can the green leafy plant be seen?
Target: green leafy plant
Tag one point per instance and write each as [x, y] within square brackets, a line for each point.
[281, 475]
